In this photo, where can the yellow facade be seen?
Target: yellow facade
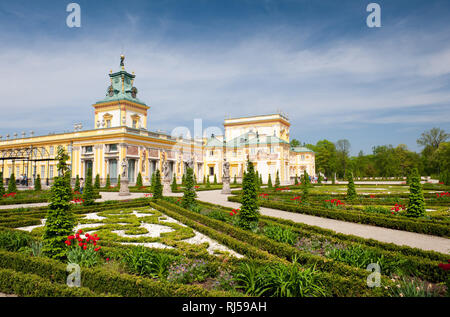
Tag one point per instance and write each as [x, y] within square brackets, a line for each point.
[120, 133]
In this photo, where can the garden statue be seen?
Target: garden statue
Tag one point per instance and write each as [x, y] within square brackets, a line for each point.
[166, 175]
[124, 165]
[226, 177]
[124, 190]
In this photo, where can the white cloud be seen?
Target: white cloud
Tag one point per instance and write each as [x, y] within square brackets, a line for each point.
[54, 84]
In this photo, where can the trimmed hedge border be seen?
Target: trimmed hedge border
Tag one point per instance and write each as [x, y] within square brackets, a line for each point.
[428, 267]
[15, 218]
[354, 283]
[405, 250]
[101, 280]
[30, 200]
[23, 284]
[360, 217]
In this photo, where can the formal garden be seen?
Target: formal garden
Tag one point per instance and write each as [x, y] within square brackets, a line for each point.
[181, 246]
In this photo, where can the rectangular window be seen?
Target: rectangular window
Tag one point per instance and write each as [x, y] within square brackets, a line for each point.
[112, 148]
[303, 157]
[134, 124]
[211, 170]
[52, 150]
[42, 171]
[88, 149]
[211, 153]
[18, 171]
[50, 171]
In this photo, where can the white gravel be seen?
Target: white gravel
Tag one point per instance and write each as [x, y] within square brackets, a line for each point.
[154, 231]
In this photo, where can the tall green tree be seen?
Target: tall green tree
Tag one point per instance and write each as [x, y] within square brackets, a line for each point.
[37, 183]
[294, 143]
[118, 182]
[88, 191]
[431, 140]
[342, 150]
[157, 188]
[189, 191]
[12, 187]
[60, 220]
[215, 179]
[325, 157]
[208, 184]
[249, 214]
[416, 205]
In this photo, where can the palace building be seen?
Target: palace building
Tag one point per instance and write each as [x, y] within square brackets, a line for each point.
[120, 133]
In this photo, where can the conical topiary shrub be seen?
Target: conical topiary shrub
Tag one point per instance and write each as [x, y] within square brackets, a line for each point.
[88, 191]
[351, 191]
[2, 186]
[37, 183]
[12, 187]
[157, 187]
[189, 192]
[305, 186]
[249, 214]
[416, 205]
[174, 185]
[139, 180]
[97, 182]
[60, 220]
[108, 182]
[269, 182]
[215, 179]
[277, 180]
[77, 184]
[118, 182]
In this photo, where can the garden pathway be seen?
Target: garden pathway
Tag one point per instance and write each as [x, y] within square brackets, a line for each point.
[399, 237]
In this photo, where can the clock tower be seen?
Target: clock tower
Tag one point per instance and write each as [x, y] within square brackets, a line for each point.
[121, 107]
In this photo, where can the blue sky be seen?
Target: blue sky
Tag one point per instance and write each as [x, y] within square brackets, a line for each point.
[315, 60]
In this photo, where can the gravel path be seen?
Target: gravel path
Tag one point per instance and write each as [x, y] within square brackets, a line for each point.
[411, 239]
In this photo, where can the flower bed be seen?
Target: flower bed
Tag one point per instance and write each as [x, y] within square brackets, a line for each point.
[400, 223]
[411, 261]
